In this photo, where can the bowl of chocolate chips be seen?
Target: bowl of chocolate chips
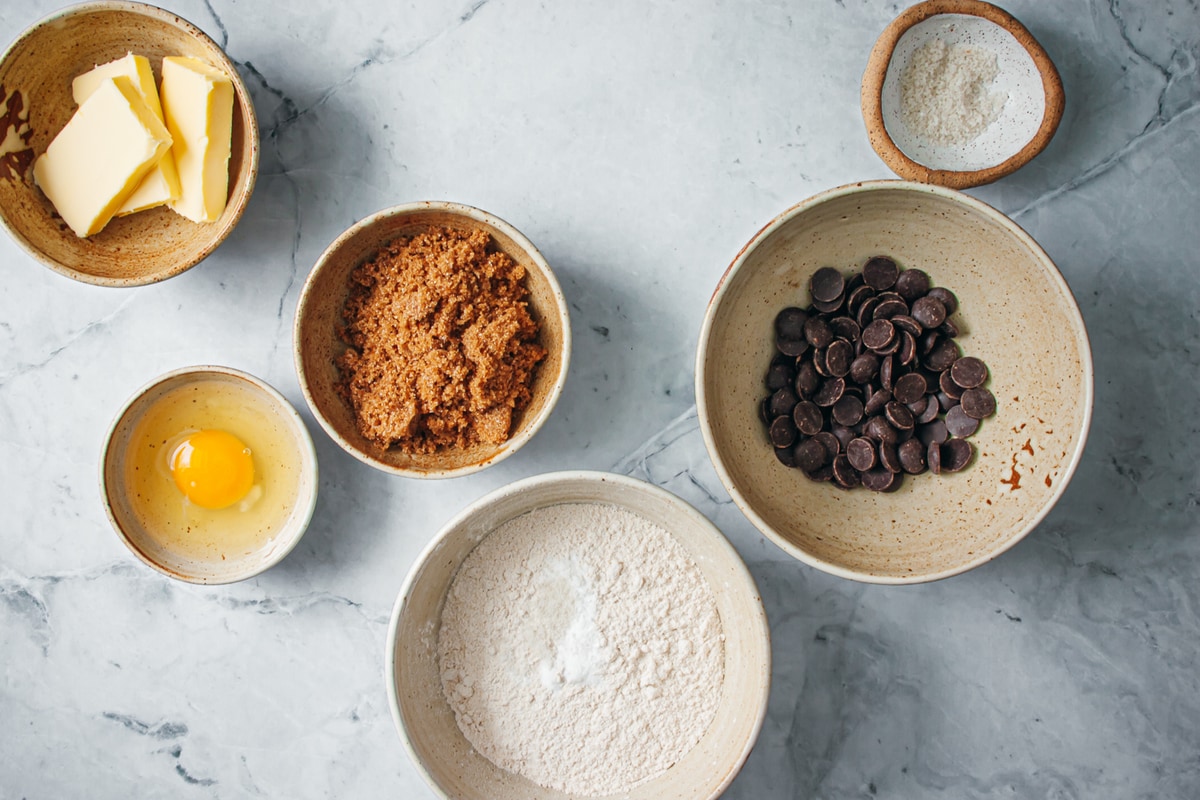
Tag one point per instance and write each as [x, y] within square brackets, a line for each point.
[894, 382]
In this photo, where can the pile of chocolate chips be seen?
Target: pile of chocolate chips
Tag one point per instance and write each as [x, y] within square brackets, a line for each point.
[869, 382]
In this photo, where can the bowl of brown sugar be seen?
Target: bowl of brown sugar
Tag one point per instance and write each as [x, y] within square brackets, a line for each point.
[431, 340]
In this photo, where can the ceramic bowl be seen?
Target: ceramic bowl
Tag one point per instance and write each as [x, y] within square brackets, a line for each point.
[1026, 79]
[424, 718]
[36, 72]
[1016, 313]
[208, 562]
[319, 317]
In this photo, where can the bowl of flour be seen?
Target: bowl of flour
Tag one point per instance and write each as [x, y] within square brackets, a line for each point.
[959, 93]
[574, 635]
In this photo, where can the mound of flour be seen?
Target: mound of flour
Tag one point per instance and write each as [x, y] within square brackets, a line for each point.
[581, 647]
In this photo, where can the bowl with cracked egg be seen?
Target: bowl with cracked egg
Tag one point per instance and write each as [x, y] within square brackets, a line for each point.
[894, 382]
[165, 108]
[432, 340]
[522, 662]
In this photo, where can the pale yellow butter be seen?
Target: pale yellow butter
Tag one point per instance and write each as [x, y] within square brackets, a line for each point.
[198, 105]
[161, 184]
[101, 155]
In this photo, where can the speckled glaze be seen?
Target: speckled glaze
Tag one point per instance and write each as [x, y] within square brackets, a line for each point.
[1027, 76]
[133, 533]
[141, 248]
[319, 315]
[1016, 313]
[424, 719]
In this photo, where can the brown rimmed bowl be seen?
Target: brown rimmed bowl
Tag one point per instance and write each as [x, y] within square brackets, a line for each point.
[1016, 313]
[1025, 125]
[317, 344]
[36, 72]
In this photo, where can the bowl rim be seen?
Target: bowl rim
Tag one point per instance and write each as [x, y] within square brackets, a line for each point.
[990, 213]
[879, 61]
[251, 135]
[737, 563]
[490, 220]
[304, 441]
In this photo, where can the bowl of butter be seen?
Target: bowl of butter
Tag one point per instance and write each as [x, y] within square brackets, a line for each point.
[130, 145]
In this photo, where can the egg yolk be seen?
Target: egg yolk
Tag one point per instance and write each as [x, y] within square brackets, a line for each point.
[212, 468]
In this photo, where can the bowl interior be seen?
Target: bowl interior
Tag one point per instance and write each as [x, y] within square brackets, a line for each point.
[140, 248]
[319, 317]
[1017, 78]
[187, 566]
[1016, 313]
[424, 717]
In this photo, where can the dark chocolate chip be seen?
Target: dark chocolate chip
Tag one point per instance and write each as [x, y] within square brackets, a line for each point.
[934, 432]
[848, 411]
[928, 341]
[887, 309]
[933, 457]
[808, 417]
[830, 392]
[908, 348]
[978, 403]
[899, 417]
[932, 409]
[929, 312]
[906, 323]
[969, 372]
[779, 375]
[838, 356]
[956, 454]
[942, 356]
[912, 283]
[819, 363]
[857, 296]
[821, 474]
[879, 479]
[946, 384]
[830, 443]
[918, 407]
[959, 424]
[789, 323]
[948, 328]
[865, 312]
[782, 402]
[910, 388]
[791, 347]
[810, 455]
[807, 380]
[830, 306]
[876, 402]
[783, 432]
[889, 459]
[845, 328]
[887, 372]
[861, 452]
[785, 456]
[764, 411]
[817, 332]
[879, 430]
[946, 401]
[827, 284]
[844, 474]
[880, 273]
[844, 435]
[879, 334]
[864, 368]
[912, 456]
[946, 298]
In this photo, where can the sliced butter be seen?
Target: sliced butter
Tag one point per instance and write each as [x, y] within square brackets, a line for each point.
[101, 155]
[161, 184]
[198, 105]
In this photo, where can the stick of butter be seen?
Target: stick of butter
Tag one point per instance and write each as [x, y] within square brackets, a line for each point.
[161, 184]
[101, 155]
[198, 105]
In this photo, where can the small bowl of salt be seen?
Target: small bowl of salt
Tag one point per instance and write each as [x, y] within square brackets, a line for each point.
[959, 93]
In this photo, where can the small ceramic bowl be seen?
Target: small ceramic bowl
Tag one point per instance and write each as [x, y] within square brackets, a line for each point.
[211, 553]
[1026, 81]
[424, 719]
[36, 73]
[318, 345]
[1016, 313]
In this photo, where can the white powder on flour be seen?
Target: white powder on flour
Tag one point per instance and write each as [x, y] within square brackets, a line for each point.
[944, 94]
[581, 647]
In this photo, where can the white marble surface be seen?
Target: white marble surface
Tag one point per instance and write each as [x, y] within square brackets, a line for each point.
[639, 145]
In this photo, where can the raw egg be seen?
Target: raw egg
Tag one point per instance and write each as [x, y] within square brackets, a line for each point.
[212, 471]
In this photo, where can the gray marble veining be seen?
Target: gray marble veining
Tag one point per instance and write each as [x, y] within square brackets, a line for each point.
[639, 145]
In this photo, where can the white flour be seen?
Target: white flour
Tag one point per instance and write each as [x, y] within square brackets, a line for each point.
[581, 647]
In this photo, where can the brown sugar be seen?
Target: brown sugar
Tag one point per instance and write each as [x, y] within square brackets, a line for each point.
[442, 347]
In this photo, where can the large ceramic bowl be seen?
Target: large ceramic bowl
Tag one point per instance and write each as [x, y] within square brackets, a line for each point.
[1016, 313]
[36, 73]
[318, 344]
[425, 720]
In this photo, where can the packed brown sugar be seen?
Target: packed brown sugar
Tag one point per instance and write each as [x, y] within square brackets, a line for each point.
[442, 347]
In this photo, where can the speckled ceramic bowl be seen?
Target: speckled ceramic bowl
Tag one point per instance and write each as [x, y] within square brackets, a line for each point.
[424, 718]
[1016, 313]
[36, 73]
[319, 316]
[1026, 80]
[217, 566]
